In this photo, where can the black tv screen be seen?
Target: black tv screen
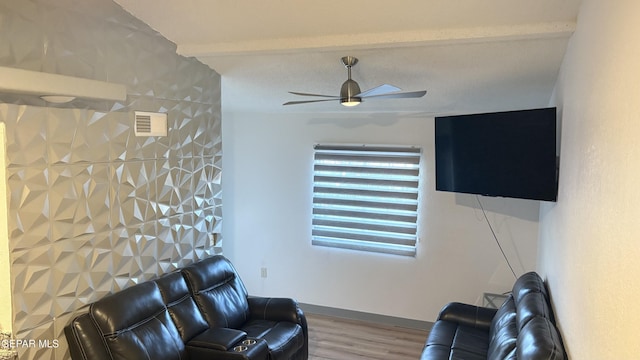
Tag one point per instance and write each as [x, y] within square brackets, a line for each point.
[507, 154]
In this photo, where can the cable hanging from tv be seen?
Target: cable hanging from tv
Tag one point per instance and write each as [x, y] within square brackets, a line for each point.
[496, 238]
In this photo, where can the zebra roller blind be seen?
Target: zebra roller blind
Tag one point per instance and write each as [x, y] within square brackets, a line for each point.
[366, 198]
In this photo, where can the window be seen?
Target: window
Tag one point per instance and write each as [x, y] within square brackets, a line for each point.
[366, 198]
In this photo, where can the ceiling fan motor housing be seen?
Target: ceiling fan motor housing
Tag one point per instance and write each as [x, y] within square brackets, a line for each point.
[349, 91]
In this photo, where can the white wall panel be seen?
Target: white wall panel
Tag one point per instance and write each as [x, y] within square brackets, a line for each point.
[93, 209]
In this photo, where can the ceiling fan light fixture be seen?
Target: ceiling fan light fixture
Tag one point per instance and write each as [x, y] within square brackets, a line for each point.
[350, 101]
[349, 91]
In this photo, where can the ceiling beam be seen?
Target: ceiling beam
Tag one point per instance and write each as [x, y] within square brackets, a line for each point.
[381, 40]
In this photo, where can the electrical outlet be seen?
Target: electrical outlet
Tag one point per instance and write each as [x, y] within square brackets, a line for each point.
[263, 272]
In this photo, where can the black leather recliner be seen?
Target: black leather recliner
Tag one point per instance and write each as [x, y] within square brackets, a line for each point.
[224, 303]
[199, 312]
[522, 329]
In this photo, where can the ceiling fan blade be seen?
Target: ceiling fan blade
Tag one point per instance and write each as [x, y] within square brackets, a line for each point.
[379, 90]
[318, 95]
[308, 101]
[400, 95]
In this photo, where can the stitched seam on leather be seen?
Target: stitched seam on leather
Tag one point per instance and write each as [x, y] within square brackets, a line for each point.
[203, 297]
[144, 347]
[550, 331]
[135, 325]
[215, 286]
[102, 337]
[77, 337]
[453, 340]
[475, 320]
[266, 306]
[175, 341]
[284, 344]
[176, 302]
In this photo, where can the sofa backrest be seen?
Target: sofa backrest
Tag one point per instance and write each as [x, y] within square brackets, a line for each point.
[539, 340]
[135, 324]
[528, 283]
[524, 326]
[530, 294]
[181, 306]
[218, 291]
[503, 332]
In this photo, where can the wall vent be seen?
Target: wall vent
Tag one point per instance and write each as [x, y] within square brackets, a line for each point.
[150, 124]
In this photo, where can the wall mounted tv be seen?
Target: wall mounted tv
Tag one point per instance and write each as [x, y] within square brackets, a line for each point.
[507, 154]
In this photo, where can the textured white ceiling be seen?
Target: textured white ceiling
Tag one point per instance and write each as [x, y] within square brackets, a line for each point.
[469, 55]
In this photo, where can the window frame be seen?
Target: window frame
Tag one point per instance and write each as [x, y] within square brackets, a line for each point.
[366, 197]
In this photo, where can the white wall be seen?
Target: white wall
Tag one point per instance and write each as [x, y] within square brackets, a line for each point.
[267, 186]
[589, 240]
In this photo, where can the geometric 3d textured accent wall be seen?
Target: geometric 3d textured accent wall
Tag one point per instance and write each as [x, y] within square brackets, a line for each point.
[92, 208]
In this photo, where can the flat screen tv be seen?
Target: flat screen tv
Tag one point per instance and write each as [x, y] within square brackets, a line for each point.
[506, 154]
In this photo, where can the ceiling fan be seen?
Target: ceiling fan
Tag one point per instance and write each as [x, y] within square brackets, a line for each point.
[350, 94]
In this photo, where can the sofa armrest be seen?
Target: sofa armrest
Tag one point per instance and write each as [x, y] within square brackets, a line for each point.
[85, 341]
[249, 349]
[221, 339]
[280, 309]
[469, 315]
[275, 309]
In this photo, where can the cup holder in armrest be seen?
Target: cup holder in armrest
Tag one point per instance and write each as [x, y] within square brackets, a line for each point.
[244, 345]
[253, 349]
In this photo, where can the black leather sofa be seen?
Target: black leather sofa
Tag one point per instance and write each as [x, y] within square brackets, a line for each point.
[199, 312]
[523, 328]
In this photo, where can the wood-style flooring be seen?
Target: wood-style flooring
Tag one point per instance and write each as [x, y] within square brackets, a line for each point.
[333, 338]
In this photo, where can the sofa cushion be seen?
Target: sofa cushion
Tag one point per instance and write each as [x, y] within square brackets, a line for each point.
[134, 324]
[503, 332]
[503, 341]
[471, 340]
[181, 306]
[531, 305]
[504, 316]
[435, 351]
[539, 340]
[446, 353]
[459, 339]
[218, 291]
[457, 354]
